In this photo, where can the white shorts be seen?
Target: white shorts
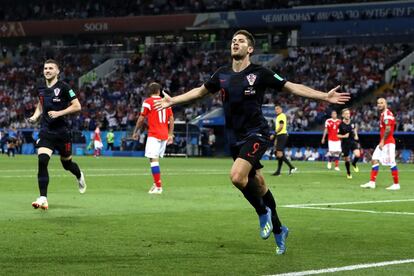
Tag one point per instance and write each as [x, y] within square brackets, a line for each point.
[334, 146]
[155, 148]
[386, 156]
[97, 144]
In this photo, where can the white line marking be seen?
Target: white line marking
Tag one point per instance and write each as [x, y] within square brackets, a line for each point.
[345, 268]
[139, 168]
[355, 210]
[112, 174]
[347, 203]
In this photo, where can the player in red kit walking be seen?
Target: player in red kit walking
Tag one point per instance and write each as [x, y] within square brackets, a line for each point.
[160, 133]
[385, 151]
[97, 141]
[334, 143]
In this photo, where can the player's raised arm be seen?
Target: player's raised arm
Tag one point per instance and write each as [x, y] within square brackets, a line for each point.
[190, 96]
[36, 115]
[332, 96]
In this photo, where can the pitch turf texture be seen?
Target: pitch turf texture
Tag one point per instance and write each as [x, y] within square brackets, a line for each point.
[200, 225]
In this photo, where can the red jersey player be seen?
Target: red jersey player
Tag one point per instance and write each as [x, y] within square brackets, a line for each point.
[160, 133]
[97, 141]
[334, 143]
[385, 151]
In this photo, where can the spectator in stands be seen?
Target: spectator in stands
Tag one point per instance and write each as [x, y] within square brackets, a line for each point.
[314, 156]
[288, 153]
[308, 153]
[298, 155]
[3, 141]
[211, 142]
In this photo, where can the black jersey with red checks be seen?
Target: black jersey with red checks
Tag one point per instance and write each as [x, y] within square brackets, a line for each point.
[54, 98]
[242, 95]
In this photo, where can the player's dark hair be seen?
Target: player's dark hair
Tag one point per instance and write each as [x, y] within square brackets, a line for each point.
[154, 88]
[248, 35]
[53, 62]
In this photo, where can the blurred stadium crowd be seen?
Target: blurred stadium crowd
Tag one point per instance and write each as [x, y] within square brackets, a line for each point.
[116, 101]
[59, 9]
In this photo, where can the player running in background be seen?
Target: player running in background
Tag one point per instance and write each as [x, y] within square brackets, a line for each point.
[334, 144]
[348, 134]
[160, 133]
[281, 137]
[385, 150]
[242, 86]
[97, 141]
[56, 100]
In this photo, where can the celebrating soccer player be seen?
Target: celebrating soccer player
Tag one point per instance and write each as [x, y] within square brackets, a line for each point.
[242, 86]
[160, 133]
[385, 150]
[334, 144]
[349, 136]
[56, 100]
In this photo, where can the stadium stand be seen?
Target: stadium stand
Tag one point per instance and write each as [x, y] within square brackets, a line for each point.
[58, 9]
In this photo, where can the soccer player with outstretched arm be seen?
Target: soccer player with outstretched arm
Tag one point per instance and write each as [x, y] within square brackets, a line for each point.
[242, 86]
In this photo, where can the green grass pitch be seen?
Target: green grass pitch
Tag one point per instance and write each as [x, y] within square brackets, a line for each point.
[201, 224]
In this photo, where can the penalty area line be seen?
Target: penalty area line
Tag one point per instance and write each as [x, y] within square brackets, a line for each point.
[345, 268]
[355, 210]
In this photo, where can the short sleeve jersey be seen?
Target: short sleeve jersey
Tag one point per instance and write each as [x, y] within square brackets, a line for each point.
[157, 120]
[387, 119]
[242, 95]
[332, 127]
[54, 98]
[97, 136]
[347, 128]
[281, 119]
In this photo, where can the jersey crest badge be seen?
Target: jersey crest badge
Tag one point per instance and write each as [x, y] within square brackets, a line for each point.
[57, 91]
[251, 78]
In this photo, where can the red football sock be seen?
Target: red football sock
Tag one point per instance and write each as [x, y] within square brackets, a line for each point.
[156, 173]
[394, 172]
[374, 172]
[336, 163]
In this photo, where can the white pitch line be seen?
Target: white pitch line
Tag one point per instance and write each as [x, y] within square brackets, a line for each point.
[112, 174]
[355, 210]
[345, 268]
[139, 168]
[347, 203]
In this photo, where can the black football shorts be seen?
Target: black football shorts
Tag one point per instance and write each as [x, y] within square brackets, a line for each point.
[60, 141]
[251, 150]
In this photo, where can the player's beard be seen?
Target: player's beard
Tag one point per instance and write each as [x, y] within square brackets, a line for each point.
[50, 78]
[238, 56]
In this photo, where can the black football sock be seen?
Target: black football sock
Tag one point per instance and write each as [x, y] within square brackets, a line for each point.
[287, 162]
[279, 165]
[348, 167]
[355, 161]
[250, 194]
[72, 167]
[270, 202]
[43, 174]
